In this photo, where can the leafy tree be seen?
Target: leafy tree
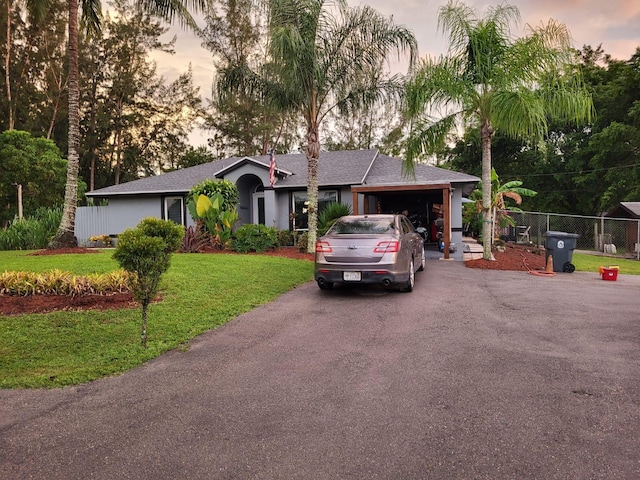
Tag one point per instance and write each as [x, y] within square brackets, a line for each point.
[35, 10]
[495, 83]
[242, 120]
[34, 163]
[192, 157]
[367, 128]
[91, 13]
[34, 75]
[327, 59]
[145, 253]
[614, 145]
[135, 123]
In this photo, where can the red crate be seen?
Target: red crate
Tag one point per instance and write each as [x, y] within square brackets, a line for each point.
[610, 274]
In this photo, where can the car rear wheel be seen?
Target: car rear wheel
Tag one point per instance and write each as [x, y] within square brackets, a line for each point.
[423, 261]
[408, 287]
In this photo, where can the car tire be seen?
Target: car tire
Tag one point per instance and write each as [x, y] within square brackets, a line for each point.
[423, 261]
[408, 287]
[325, 285]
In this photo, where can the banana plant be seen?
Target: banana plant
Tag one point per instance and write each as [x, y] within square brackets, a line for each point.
[500, 192]
[218, 222]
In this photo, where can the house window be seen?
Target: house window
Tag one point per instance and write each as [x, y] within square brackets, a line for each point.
[300, 206]
[174, 209]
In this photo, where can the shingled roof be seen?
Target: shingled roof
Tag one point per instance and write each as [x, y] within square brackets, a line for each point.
[625, 210]
[346, 167]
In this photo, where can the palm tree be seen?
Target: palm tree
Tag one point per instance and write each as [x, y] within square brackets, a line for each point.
[495, 83]
[329, 59]
[91, 13]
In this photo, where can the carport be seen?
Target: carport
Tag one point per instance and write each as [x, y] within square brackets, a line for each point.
[411, 197]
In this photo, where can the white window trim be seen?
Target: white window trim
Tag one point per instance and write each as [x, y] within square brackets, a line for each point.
[165, 209]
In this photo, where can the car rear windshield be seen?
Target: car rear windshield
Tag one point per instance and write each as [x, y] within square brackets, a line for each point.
[359, 225]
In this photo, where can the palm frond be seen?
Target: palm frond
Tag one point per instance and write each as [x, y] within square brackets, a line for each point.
[170, 10]
[426, 137]
[91, 18]
[519, 114]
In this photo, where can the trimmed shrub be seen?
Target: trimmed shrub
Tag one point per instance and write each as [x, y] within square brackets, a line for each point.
[171, 233]
[254, 238]
[285, 238]
[303, 240]
[145, 253]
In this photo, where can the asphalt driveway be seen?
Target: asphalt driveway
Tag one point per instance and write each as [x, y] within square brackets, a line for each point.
[475, 375]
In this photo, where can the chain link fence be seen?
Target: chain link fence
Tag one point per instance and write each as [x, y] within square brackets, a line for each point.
[613, 236]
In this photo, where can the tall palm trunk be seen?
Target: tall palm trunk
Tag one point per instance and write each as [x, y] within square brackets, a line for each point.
[313, 155]
[65, 237]
[487, 233]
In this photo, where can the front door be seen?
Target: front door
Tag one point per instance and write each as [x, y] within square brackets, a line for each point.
[257, 215]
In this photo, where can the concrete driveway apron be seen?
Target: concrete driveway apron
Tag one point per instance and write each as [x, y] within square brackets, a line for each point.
[476, 374]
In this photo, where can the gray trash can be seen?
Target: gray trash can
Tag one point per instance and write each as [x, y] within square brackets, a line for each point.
[560, 245]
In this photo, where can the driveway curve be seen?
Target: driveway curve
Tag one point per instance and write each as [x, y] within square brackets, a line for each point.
[476, 374]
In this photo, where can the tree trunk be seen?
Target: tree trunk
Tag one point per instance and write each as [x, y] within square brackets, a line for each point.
[487, 233]
[143, 336]
[65, 237]
[7, 66]
[313, 155]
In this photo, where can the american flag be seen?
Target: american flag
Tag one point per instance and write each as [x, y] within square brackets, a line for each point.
[272, 168]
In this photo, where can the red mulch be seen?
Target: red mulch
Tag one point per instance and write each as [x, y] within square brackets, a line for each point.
[14, 305]
[515, 257]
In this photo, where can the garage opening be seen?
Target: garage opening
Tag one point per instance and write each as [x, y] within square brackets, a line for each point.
[422, 203]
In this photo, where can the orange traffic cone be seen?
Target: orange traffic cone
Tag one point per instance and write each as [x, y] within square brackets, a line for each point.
[549, 268]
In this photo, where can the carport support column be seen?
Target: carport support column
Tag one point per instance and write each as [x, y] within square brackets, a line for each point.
[446, 228]
[355, 202]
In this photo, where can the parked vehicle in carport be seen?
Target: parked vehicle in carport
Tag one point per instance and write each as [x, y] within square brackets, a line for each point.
[365, 249]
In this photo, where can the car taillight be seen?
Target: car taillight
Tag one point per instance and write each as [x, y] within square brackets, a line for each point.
[323, 247]
[387, 247]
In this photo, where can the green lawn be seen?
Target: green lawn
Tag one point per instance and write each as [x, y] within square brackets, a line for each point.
[590, 263]
[200, 292]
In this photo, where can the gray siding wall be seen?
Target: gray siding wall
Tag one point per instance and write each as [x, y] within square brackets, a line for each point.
[120, 214]
[127, 212]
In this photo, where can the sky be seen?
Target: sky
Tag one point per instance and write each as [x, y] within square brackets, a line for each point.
[615, 24]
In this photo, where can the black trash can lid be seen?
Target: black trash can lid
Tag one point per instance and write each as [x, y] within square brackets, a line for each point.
[553, 233]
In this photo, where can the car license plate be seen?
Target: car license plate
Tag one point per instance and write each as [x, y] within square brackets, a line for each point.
[351, 276]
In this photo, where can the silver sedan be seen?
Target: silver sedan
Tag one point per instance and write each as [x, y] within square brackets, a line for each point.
[381, 248]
